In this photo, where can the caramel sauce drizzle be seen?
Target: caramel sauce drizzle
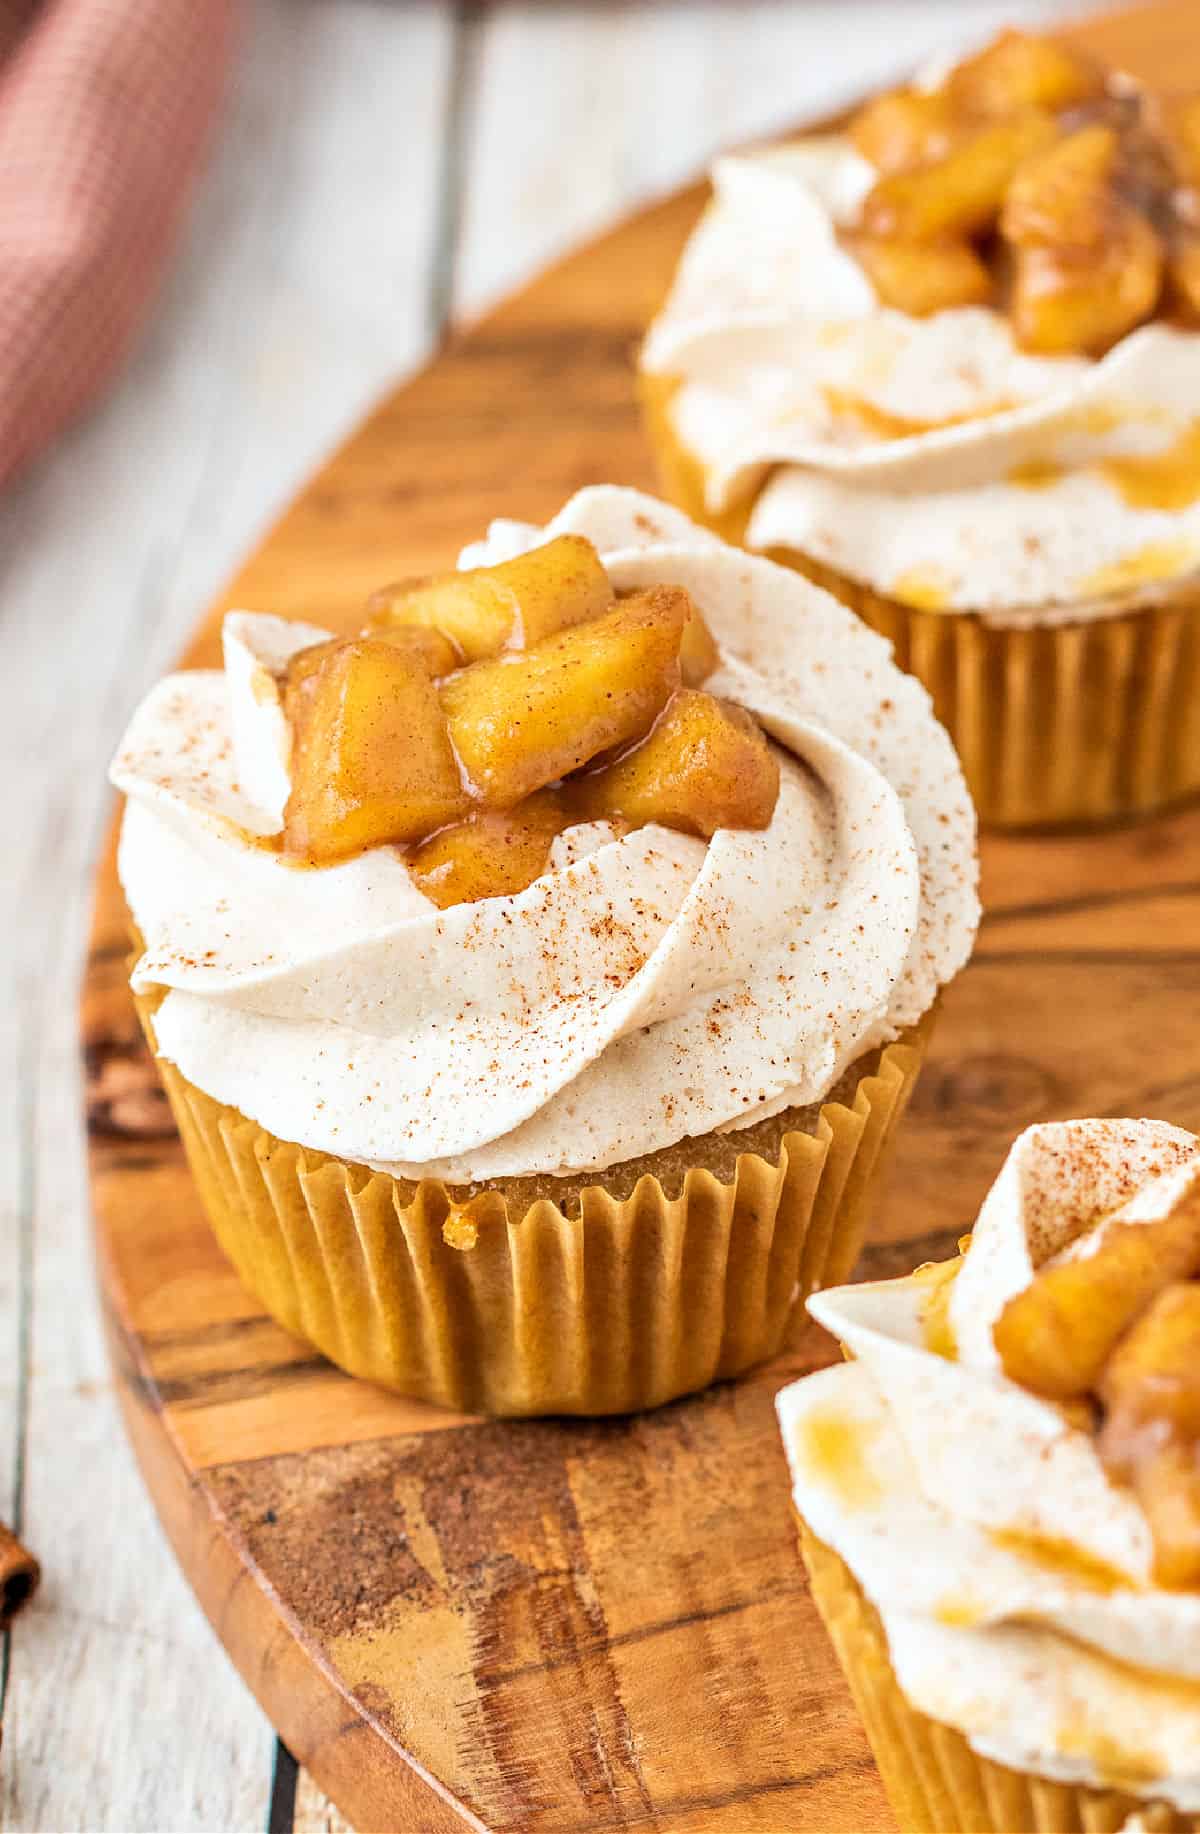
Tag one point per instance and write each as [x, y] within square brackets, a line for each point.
[833, 1449]
[888, 426]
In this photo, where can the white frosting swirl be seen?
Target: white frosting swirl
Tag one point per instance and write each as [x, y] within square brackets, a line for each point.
[643, 989]
[949, 1477]
[930, 459]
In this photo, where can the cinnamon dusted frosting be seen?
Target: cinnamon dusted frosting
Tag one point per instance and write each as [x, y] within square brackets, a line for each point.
[929, 459]
[1012, 1576]
[645, 988]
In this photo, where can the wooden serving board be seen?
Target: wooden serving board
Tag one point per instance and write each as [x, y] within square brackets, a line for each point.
[563, 1627]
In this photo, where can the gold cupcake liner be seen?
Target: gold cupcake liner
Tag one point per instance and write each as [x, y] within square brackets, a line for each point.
[1058, 725]
[935, 1782]
[489, 1302]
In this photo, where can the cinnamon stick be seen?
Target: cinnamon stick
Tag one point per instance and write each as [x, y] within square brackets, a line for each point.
[19, 1575]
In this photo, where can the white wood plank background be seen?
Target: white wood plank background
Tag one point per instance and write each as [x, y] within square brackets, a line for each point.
[379, 165]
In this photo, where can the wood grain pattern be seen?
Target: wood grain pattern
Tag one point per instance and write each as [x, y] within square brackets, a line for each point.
[547, 1627]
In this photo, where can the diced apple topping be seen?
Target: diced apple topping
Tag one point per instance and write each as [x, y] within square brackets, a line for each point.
[705, 765]
[486, 610]
[923, 277]
[1181, 130]
[1089, 185]
[1089, 266]
[1056, 1335]
[905, 128]
[1059, 310]
[523, 721]
[1153, 1373]
[1063, 197]
[1019, 70]
[960, 194]
[1166, 1480]
[492, 853]
[371, 755]
[475, 769]
[1117, 1327]
[429, 647]
[1183, 271]
[698, 653]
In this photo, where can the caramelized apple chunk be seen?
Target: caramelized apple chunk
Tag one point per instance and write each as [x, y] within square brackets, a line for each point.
[1063, 196]
[698, 652]
[1089, 265]
[1183, 271]
[961, 193]
[921, 278]
[1181, 130]
[905, 127]
[1018, 70]
[487, 610]
[1166, 1482]
[492, 853]
[303, 668]
[1150, 1439]
[1055, 1336]
[371, 756]
[1064, 308]
[1154, 1372]
[432, 649]
[705, 765]
[522, 721]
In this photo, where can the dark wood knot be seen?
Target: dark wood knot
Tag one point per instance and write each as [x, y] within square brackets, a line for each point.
[124, 1097]
[987, 1089]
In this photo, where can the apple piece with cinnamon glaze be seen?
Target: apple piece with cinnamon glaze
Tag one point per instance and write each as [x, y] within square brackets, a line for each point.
[510, 606]
[1181, 131]
[1150, 1439]
[1153, 1374]
[1089, 265]
[706, 765]
[303, 668]
[1021, 70]
[371, 755]
[1055, 1336]
[1165, 1478]
[1063, 197]
[1183, 271]
[960, 194]
[698, 652]
[921, 278]
[493, 853]
[904, 128]
[522, 721]
[431, 648]
[1064, 307]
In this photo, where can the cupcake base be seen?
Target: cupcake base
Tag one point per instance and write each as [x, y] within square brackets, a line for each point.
[1056, 725]
[552, 1295]
[936, 1783]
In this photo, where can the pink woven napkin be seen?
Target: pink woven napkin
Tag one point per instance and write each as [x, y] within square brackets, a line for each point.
[105, 109]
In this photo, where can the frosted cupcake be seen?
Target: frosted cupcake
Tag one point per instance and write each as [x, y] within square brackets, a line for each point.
[999, 1497]
[947, 363]
[535, 981]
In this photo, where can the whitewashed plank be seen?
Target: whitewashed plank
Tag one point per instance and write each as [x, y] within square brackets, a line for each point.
[314, 1813]
[304, 282]
[575, 112]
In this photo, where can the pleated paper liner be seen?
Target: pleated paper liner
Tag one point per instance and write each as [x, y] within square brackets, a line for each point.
[936, 1783]
[1081, 723]
[504, 1301]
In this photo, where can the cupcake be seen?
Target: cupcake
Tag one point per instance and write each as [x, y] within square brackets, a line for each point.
[947, 363]
[999, 1496]
[537, 976]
